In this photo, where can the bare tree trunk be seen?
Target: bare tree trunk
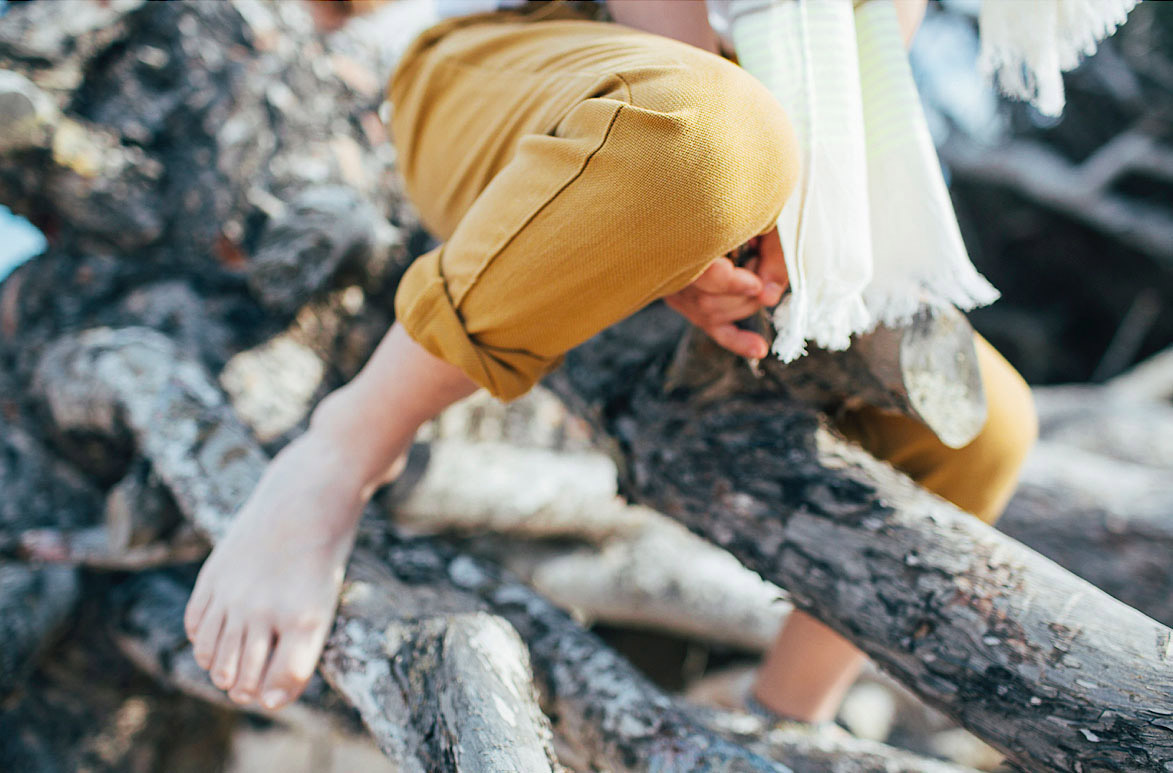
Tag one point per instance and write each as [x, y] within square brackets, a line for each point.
[1000, 638]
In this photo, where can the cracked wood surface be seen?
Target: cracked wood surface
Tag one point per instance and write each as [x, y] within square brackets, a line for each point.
[1040, 664]
[420, 647]
[103, 380]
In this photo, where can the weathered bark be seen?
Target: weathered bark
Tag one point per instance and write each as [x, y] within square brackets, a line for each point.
[1110, 522]
[628, 571]
[407, 598]
[631, 574]
[607, 714]
[103, 380]
[1102, 519]
[823, 753]
[254, 134]
[1104, 421]
[34, 604]
[94, 547]
[427, 662]
[179, 160]
[997, 636]
[927, 370]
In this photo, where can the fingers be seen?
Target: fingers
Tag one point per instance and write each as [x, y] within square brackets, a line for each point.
[743, 342]
[719, 309]
[258, 641]
[726, 293]
[771, 268]
[722, 277]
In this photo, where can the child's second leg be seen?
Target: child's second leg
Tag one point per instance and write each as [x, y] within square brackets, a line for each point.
[268, 592]
[809, 668]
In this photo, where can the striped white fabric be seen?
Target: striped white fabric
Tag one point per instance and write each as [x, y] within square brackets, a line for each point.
[870, 235]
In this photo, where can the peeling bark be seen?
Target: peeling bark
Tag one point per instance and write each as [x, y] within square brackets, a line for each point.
[101, 380]
[1021, 652]
[161, 167]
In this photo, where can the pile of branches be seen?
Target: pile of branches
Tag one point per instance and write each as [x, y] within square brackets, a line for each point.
[1071, 219]
[226, 235]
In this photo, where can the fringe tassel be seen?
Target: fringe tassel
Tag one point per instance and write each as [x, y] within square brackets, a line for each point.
[1026, 46]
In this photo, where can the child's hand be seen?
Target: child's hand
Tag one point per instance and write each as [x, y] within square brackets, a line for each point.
[726, 293]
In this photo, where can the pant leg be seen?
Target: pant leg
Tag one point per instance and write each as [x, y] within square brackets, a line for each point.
[980, 477]
[577, 170]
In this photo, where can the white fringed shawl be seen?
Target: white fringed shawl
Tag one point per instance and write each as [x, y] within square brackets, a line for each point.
[870, 235]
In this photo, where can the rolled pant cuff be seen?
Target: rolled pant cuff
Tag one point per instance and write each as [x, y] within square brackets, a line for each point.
[424, 307]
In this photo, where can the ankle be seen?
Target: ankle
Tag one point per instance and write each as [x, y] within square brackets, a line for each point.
[371, 452]
[761, 700]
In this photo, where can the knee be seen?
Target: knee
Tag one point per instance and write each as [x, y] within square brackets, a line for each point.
[725, 147]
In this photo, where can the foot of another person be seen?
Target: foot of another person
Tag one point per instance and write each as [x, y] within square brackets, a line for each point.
[265, 598]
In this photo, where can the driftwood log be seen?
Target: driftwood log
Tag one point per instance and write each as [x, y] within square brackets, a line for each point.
[190, 163]
[969, 619]
[414, 619]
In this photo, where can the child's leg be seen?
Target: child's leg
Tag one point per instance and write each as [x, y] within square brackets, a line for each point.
[577, 171]
[270, 587]
[810, 667]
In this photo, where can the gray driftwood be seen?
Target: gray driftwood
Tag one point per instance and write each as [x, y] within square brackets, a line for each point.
[927, 370]
[159, 164]
[35, 603]
[93, 547]
[416, 621]
[106, 381]
[1021, 652]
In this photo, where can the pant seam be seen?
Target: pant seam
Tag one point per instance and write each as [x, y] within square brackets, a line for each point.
[537, 211]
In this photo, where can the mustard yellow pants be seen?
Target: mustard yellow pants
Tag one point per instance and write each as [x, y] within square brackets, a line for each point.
[578, 170]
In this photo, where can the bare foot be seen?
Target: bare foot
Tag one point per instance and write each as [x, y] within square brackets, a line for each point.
[265, 598]
[264, 601]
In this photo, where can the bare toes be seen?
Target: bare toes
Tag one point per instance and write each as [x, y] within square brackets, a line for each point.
[206, 637]
[194, 612]
[258, 642]
[224, 665]
[292, 664]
